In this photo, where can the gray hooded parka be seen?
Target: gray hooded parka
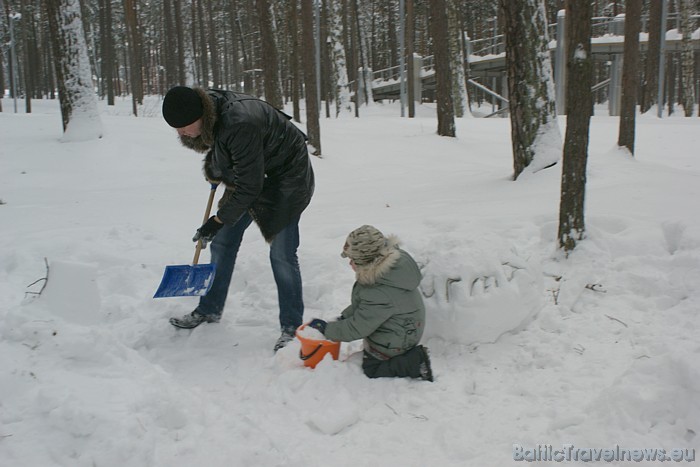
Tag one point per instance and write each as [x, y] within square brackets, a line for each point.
[386, 309]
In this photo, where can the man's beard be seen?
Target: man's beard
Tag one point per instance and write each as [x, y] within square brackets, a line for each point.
[197, 143]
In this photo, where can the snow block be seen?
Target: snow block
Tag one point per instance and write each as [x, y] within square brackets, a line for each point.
[71, 292]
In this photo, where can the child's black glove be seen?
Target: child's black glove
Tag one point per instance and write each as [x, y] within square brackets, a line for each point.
[319, 325]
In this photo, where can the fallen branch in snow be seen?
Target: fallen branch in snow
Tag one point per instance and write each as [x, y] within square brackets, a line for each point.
[512, 271]
[392, 409]
[615, 319]
[419, 417]
[555, 291]
[596, 288]
[45, 279]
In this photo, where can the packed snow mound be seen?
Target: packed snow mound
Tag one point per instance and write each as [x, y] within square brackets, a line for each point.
[673, 403]
[71, 292]
[475, 295]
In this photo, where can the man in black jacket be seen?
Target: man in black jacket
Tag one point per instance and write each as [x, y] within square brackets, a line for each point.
[261, 158]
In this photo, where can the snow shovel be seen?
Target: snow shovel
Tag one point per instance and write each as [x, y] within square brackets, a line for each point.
[189, 280]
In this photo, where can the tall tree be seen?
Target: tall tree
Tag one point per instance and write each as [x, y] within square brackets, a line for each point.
[630, 74]
[273, 93]
[533, 119]
[199, 19]
[364, 53]
[134, 53]
[443, 77]
[309, 65]
[579, 63]
[339, 75]
[180, 41]
[213, 44]
[30, 53]
[409, 29]
[2, 55]
[107, 42]
[459, 83]
[651, 73]
[81, 120]
[170, 51]
[687, 58]
[295, 58]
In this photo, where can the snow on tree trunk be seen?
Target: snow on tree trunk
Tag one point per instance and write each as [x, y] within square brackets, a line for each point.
[535, 133]
[459, 84]
[687, 59]
[364, 23]
[81, 119]
[339, 76]
[579, 99]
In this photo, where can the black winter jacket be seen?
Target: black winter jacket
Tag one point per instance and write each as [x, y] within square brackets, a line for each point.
[262, 158]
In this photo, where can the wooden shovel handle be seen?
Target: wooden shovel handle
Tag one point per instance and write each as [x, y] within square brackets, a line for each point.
[198, 248]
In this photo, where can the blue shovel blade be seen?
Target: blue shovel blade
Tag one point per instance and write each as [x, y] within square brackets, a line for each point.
[186, 280]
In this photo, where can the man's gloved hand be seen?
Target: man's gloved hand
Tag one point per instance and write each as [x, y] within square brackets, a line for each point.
[207, 232]
[319, 325]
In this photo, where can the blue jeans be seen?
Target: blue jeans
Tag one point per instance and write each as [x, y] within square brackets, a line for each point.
[285, 268]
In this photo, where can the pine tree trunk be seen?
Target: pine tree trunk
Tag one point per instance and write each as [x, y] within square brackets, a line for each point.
[650, 86]
[213, 45]
[687, 59]
[309, 65]
[107, 50]
[134, 51]
[364, 56]
[339, 82]
[579, 101]
[295, 59]
[351, 12]
[410, 49]
[29, 71]
[445, 104]
[630, 74]
[273, 93]
[169, 51]
[459, 84]
[530, 84]
[180, 41]
[203, 52]
[2, 83]
[81, 120]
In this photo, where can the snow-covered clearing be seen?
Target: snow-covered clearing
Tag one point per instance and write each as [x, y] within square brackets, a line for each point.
[528, 348]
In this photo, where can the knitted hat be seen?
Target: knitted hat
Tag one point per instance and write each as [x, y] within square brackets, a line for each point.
[182, 106]
[364, 245]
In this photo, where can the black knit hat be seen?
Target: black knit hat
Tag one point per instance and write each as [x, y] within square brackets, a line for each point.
[182, 106]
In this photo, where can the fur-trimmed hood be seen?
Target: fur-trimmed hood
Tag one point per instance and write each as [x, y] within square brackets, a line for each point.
[205, 141]
[395, 268]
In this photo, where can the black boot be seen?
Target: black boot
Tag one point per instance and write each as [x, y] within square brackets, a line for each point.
[426, 371]
[193, 320]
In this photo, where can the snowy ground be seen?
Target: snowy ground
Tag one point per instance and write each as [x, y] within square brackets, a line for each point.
[598, 350]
